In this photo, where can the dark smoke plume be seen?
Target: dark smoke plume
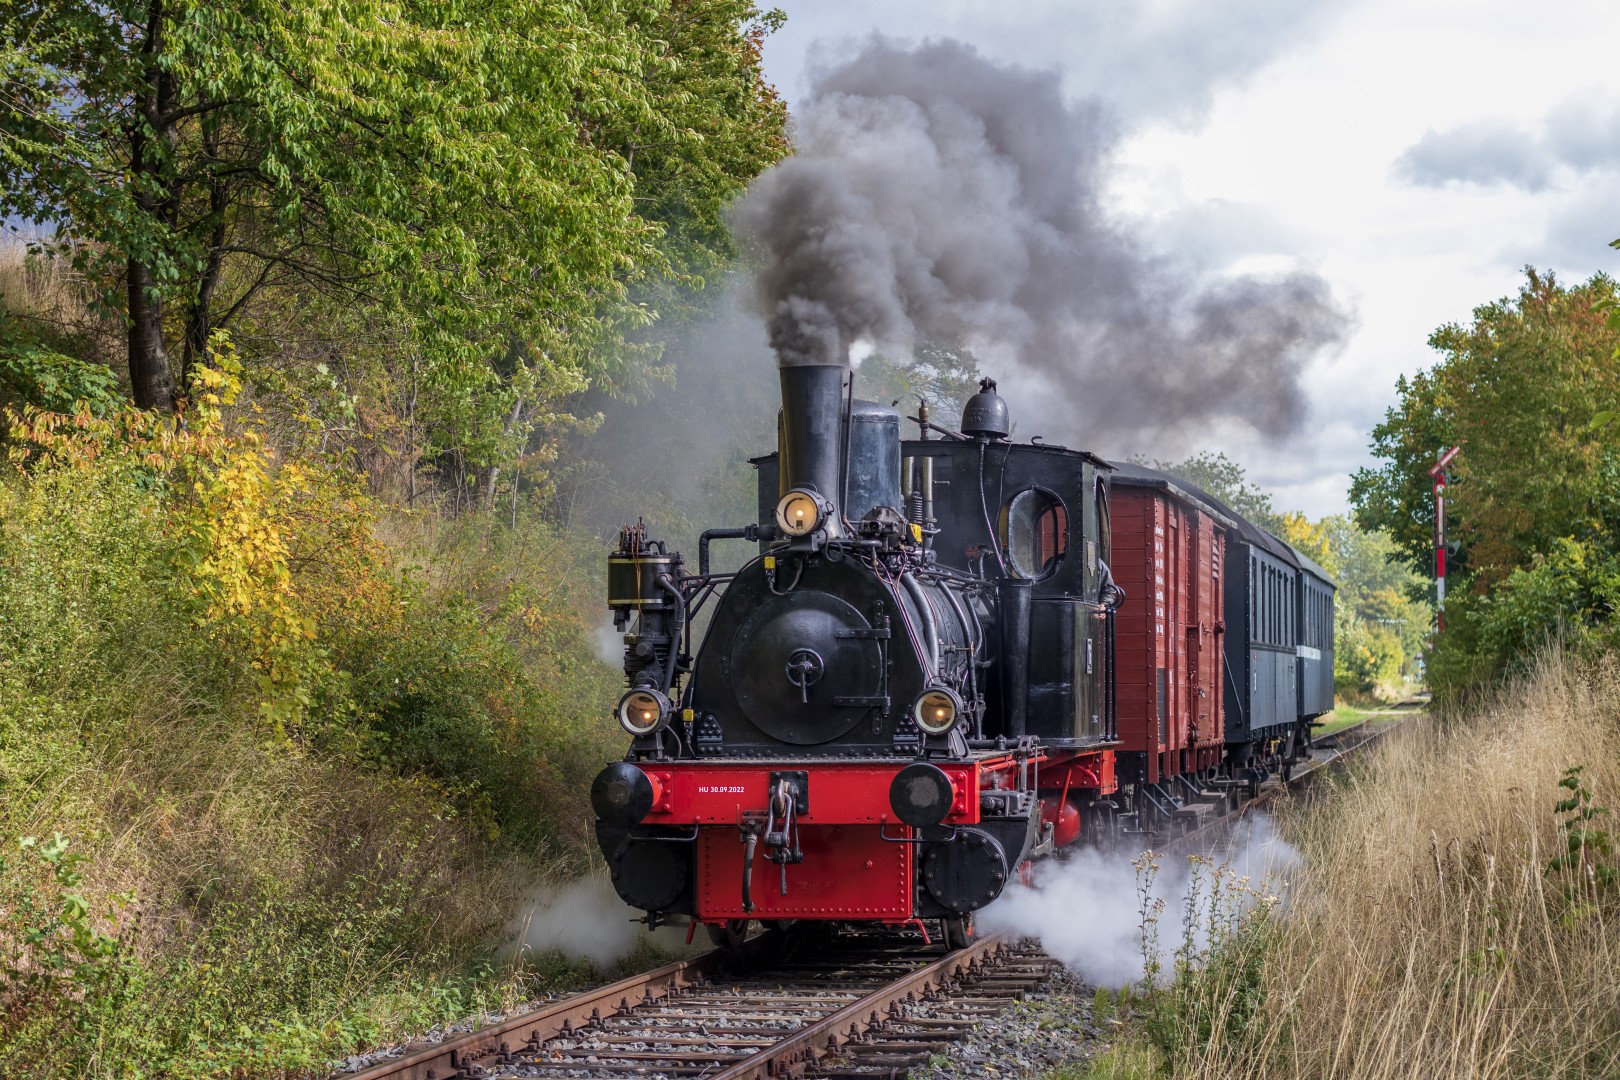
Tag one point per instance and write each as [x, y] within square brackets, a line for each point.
[937, 196]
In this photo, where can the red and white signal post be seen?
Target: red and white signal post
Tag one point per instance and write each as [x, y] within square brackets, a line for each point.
[1438, 472]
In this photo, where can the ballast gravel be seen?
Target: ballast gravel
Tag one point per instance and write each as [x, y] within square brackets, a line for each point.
[434, 1036]
[1051, 1027]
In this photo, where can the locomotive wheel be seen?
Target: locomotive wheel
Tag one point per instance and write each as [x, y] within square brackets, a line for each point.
[1101, 831]
[959, 931]
[729, 936]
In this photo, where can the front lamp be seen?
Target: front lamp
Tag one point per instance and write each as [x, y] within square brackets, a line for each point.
[936, 710]
[643, 711]
[800, 513]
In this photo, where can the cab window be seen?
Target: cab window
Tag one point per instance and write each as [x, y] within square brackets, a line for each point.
[1035, 533]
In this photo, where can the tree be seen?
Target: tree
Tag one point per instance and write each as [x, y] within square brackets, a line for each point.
[466, 168]
[1314, 538]
[1226, 480]
[1534, 500]
[1519, 389]
[714, 90]
[1379, 622]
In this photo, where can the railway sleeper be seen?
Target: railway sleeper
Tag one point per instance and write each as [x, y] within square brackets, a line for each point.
[894, 1061]
[591, 1057]
[715, 1030]
[543, 1068]
[659, 1041]
[886, 1034]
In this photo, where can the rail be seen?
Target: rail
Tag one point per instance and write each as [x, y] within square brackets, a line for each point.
[455, 1057]
[706, 1017]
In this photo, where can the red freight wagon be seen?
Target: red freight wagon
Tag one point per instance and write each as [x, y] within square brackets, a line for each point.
[1168, 551]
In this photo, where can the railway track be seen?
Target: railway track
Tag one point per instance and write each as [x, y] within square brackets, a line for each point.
[850, 1005]
[863, 1005]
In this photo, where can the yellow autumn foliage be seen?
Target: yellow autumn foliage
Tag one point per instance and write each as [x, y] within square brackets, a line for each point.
[240, 516]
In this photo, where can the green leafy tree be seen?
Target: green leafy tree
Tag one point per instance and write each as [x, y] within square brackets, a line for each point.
[1366, 656]
[1380, 625]
[1533, 506]
[468, 170]
[713, 90]
[1226, 480]
[1519, 388]
[1377, 587]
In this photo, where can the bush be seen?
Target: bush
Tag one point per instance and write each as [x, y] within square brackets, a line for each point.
[1366, 657]
[1568, 597]
[303, 775]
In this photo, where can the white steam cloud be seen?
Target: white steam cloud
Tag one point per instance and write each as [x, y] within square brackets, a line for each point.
[586, 920]
[1088, 911]
[608, 641]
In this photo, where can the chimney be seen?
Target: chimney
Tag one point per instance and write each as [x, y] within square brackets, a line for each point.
[810, 434]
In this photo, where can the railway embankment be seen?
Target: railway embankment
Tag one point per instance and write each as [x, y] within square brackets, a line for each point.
[276, 764]
[1455, 911]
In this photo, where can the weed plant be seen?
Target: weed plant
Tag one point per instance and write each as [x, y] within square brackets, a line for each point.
[1456, 912]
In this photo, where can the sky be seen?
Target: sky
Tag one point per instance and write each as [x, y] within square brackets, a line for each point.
[1416, 155]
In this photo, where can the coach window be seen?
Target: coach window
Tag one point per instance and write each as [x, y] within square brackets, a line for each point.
[1035, 531]
[1265, 604]
[1271, 606]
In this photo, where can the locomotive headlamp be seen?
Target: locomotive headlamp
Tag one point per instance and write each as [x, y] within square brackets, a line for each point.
[801, 512]
[643, 711]
[936, 709]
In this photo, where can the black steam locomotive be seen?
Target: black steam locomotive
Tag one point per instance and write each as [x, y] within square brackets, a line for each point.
[897, 704]
[912, 690]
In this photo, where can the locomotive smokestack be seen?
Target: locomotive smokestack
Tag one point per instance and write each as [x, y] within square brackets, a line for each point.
[811, 433]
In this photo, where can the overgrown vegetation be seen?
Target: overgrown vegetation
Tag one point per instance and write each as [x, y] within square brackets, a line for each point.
[288, 731]
[266, 783]
[1454, 913]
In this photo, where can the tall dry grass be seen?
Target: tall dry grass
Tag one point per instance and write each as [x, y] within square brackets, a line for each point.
[50, 294]
[1426, 933]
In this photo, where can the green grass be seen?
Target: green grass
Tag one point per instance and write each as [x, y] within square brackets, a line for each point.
[1131, 1058]
[1342, 717]
[1347, 715]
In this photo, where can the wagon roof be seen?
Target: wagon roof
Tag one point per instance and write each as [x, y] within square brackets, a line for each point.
[1132, 475]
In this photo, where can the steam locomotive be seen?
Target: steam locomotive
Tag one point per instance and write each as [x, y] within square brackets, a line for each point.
[929, 676]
